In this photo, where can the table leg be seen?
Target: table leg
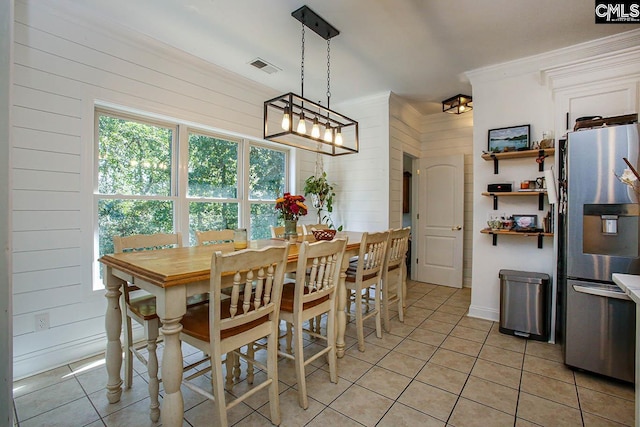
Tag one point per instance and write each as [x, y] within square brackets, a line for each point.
[113, 327]
[171, 307]
[341, 316]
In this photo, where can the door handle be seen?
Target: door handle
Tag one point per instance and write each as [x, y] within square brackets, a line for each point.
[600, 292]
[456, 228]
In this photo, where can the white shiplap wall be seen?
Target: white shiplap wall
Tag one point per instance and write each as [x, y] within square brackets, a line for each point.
[443, 135]
[6, 341]
[63, 66]
[362, 180]
[404, 137]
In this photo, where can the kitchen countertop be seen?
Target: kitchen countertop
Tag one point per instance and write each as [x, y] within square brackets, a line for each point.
[630, 284]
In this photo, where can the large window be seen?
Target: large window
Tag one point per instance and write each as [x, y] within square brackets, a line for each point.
[156, 177]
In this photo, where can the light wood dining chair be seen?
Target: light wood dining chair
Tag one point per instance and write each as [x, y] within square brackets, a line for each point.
[313, 294]
[214, 237]
[307, 228]
[365, 274]
[277, 232]
[225, 325]
[141, 307]
[394, 280]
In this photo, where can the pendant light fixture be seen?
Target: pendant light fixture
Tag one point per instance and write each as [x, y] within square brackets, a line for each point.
[285, 116]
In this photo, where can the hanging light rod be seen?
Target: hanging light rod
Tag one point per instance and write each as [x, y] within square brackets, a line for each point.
[286, 116]
[314, 22]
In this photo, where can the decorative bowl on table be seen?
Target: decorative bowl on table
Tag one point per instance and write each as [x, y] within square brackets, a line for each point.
[327, 234]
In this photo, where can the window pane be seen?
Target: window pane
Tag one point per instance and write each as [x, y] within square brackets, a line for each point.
[262, 216]
[134, 158]
[213, 167]
[126, 217]
[211, 216]
[267, 170]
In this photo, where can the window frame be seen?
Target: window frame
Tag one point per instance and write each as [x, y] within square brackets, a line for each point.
[180, 174]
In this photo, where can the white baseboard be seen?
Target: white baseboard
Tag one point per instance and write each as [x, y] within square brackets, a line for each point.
[484, 313]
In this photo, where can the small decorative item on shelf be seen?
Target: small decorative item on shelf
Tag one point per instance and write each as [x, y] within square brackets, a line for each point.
[630, 178]
[327, 234]
[291, 208]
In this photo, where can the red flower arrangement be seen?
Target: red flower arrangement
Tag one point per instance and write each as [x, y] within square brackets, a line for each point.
[291, 207]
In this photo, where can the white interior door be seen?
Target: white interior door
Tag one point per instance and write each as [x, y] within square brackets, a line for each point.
[440, 220]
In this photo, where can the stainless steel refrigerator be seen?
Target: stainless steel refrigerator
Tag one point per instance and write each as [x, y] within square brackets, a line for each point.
[601, 236]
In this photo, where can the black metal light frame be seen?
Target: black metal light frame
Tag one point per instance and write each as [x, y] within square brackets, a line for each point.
[297, 106]
[457, 104]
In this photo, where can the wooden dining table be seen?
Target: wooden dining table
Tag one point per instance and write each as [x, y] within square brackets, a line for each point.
[172, 275]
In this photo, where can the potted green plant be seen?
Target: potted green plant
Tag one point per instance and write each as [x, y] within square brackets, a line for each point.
[322, 195]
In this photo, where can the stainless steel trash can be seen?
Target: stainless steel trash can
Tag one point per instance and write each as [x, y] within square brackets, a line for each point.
[525, 300]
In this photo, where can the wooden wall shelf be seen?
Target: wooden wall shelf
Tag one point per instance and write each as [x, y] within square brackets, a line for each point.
[539, 194]
[518, 155]
[495, 234]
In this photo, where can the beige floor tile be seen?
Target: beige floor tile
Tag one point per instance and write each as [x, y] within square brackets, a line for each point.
[399, 329]
[507, 342]
[351, 368]
[497, 373]
[547, 413]
[429, 303]
[204, 414]
[607, 406]
[383, 381]
[469, 334]
[497, 396]
[524, 423]
[549, 388]
[402, 415]
[329, 417]
[605, 385]
[416, 349]
[417, 311]
[443, 291]
[48, 398]
[509, 358]
[253, 420]
[452, 309]
[291, 412]
[435, 326]
[545, 350]
[428, 399]
[548, 368]
[136, 393]
[471, 322]
[461, 345]
[472, 414]
[442, 377]
[428, 337]
[320, 387]
[453, 360]
[136, 414]
[591, 420]
[362, 405]
[446, 317]
[402, 364]
[388, 340]
[37, 382]
[459, 301]
[78, 412]
[372, 354]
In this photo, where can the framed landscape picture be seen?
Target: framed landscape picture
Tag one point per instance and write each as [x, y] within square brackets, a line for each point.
[515, 138]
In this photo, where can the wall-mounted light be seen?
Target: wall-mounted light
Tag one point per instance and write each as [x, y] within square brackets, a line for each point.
[457, 104]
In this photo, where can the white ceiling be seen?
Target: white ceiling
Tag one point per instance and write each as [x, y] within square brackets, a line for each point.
[418, 49]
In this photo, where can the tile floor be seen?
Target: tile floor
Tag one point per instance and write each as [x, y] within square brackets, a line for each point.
[439, 368]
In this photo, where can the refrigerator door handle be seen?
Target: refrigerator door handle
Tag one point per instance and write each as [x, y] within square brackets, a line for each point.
[600, 292]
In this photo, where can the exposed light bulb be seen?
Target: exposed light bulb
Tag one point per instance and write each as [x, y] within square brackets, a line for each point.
[286, 120]
[315, 129]
[338, 136]
[302, 124]
[328, 135]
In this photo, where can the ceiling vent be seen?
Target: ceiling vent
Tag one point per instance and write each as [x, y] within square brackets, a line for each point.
[263, 65]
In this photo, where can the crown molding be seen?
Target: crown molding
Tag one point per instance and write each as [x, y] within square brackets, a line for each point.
[576, 54]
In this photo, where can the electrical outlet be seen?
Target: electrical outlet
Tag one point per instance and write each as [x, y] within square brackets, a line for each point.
[42, 321]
